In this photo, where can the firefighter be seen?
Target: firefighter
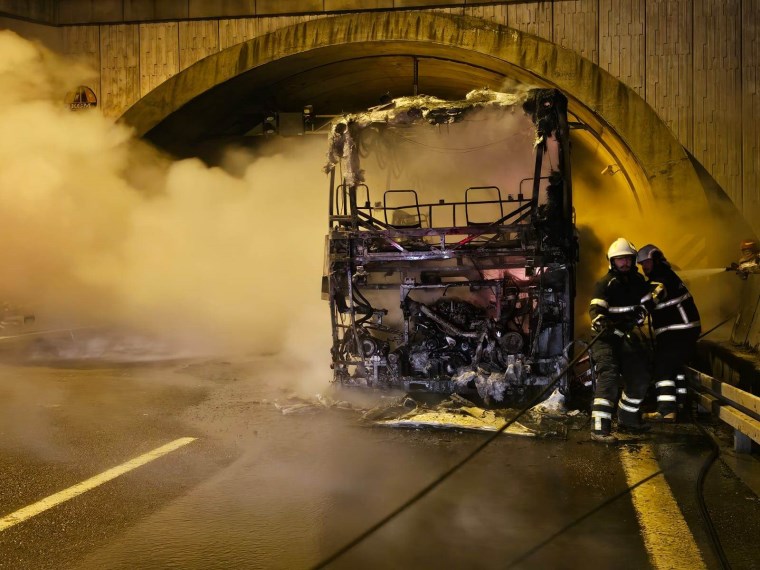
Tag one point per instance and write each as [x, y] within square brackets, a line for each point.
[676, 327]
[750, 259]
[617, 311]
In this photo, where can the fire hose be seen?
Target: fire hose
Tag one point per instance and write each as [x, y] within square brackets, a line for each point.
[699, 489]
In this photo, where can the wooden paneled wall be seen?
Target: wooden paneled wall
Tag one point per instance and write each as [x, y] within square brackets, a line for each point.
[119, 67]
[669, 69]
[159, 54]
[717, 91]
[750, 108]
[622, 41]
[694, 61]
[536, 19]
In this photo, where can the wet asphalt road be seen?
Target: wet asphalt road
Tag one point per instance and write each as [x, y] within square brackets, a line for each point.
[263, 489]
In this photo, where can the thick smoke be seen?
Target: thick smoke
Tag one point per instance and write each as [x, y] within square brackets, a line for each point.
[98, 229]
[488, 148]
[692, 233]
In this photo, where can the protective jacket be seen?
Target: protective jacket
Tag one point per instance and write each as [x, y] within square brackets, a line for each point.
[616, 309]
[676, 309]
[750, 265]
[618, 299]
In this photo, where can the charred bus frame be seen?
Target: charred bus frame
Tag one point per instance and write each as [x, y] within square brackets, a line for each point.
[523, 262]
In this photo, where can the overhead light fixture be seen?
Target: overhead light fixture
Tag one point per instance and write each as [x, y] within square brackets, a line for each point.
[611, 169]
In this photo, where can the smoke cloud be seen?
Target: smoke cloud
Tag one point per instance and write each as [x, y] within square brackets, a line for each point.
[487, 148]
[99, 229]
[696, 236]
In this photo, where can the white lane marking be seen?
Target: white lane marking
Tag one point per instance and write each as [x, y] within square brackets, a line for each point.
[49, 502]
[666, 535]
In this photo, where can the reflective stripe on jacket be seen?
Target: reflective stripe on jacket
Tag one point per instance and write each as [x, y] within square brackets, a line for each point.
[676, 309]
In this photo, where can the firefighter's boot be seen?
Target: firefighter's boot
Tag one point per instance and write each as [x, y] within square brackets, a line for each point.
[601, 421]
[629, 415]
[667, 407]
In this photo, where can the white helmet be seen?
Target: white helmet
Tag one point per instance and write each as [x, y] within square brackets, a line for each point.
[621, 247]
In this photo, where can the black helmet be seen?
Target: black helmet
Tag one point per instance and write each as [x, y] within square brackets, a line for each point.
[650, 251]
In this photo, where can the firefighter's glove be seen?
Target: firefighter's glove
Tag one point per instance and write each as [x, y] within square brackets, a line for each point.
[658, 292]
[735, 267]
[602, 323]
[640, 314]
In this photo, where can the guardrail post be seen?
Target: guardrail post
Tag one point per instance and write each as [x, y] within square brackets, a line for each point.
[742, 442]
[737, 408]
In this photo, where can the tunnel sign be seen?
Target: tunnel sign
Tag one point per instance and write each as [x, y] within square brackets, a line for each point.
[81, 98]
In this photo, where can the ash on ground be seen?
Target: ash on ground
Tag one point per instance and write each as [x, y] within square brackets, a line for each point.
[549, 419]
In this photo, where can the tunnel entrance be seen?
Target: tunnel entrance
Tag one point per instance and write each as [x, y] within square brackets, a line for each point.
[348, 63]
[235, 112]
[622, 152]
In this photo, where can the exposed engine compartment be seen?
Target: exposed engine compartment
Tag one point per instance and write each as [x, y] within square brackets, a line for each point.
[471, 294]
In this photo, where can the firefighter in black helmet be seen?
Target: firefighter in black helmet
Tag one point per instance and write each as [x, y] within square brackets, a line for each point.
[617, 310]
[676, 326]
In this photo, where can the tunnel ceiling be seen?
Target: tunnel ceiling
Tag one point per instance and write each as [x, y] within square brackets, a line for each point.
[224, 114]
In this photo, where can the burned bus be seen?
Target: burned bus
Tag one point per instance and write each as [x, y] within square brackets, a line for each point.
[440, 284]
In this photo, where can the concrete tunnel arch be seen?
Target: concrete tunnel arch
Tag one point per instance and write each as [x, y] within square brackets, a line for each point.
[654, 163]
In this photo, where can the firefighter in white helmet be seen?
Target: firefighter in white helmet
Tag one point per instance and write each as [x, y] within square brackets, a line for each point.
[676, 326]
[618, 308]
[749, 261]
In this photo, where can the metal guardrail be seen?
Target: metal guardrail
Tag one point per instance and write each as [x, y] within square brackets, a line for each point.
[739, 409]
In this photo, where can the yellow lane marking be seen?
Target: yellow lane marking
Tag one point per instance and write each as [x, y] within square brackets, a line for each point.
[667, 537]
[75, 490]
